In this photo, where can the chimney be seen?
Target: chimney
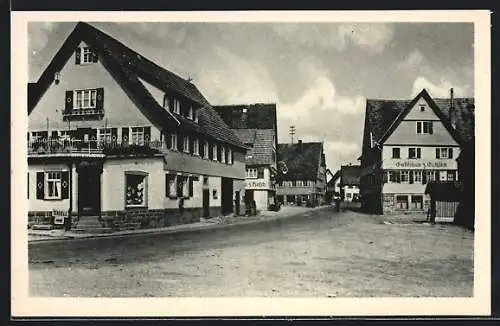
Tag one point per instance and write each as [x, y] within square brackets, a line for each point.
[300, 145]
[451, 111]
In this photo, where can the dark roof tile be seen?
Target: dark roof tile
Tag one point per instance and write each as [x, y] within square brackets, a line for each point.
[302, 163]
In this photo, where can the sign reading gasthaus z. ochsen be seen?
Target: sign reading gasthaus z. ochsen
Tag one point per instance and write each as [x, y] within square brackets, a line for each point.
[256, 184]
[420, 164]
[424, 164]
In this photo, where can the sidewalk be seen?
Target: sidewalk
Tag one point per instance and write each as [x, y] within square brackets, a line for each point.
[36, 236]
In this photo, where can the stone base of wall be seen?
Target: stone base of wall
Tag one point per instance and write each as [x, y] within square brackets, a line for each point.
[389, 205]
[143, 218]
[42, 218]
[134, 218]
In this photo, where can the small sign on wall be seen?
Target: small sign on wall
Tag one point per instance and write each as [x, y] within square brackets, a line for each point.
[214, 194]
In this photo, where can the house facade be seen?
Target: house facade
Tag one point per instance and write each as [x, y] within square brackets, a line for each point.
[305, 180]
[407, 144]
[349, 182]
[115, 138]
[256, 126]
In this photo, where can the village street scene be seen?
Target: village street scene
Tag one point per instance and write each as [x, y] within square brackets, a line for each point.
[316, 160]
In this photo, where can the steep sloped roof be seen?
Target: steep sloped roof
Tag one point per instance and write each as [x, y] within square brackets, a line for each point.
[261, 145]
[334, 179]
[127, 66]
[350, 175]
[302, 160]
[249, 116]
[384, 115]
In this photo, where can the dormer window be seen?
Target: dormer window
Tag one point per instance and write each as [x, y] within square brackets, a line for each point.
[195, 112]
[214, 153]
[177, 106]
[166, 104]
[85, 55]
[190, 113]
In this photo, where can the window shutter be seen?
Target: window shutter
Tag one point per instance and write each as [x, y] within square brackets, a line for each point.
[179, 187]
[77, 55]
[419, 127]
[180, 142]
[410, 176]
[114, 135]
[397, 176]
[201, 147]
[65, 185]
[431, 131]
[450, 152]
[260, 173]
[191, 187]
[210, 151]
[419, 152]
[147, 135]
[167, 185]
[386, 176]
[94, 55]
[68, 101]
[437, 152]
[125, 136]
[424, 177]
[40, 185]
[100, 98]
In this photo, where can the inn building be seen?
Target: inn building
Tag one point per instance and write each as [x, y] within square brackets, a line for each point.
[407, 143]
[116, 141]
[256, 127]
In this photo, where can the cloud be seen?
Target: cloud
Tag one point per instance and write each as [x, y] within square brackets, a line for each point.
[372, 38]
[321, 97]
[38, 35]
[230, 79]
[440, 90]
[413, 60]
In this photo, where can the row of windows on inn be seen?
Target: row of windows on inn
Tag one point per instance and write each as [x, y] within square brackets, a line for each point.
[141, 136]
[296, 183]
[416, 153]
[419, 176]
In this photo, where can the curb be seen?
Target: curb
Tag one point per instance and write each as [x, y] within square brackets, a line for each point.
[158, 231]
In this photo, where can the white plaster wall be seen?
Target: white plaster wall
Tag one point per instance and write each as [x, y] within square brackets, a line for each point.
[113, 182]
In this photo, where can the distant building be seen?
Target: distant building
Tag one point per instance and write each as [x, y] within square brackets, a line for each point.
[332, 186]
[407, 143]
[118, 141]
[305, 181]
[349, 182]
[256, 126]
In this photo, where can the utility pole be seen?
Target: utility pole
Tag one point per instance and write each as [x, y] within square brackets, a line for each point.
[292, 132]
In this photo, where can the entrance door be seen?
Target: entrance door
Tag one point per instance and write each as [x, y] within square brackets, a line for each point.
[206, 202]
[227, 195]
[89, 191]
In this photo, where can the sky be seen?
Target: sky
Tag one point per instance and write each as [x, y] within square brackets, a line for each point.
[318, 74]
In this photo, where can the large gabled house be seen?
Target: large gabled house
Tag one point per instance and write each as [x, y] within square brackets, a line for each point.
[408, 143]
[305, 180]
[256, 126]
[115, 139]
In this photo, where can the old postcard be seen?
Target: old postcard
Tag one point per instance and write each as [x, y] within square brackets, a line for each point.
[248, 164]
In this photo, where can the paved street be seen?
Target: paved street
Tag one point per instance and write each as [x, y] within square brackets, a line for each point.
[319, 253]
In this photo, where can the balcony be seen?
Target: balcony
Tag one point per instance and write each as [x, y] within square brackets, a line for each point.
[97, 148]
[83, 114]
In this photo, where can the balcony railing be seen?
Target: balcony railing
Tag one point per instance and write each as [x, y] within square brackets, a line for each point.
[77, 113]
[78, 146]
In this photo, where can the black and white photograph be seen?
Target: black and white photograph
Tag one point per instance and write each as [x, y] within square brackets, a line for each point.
[294, 156]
